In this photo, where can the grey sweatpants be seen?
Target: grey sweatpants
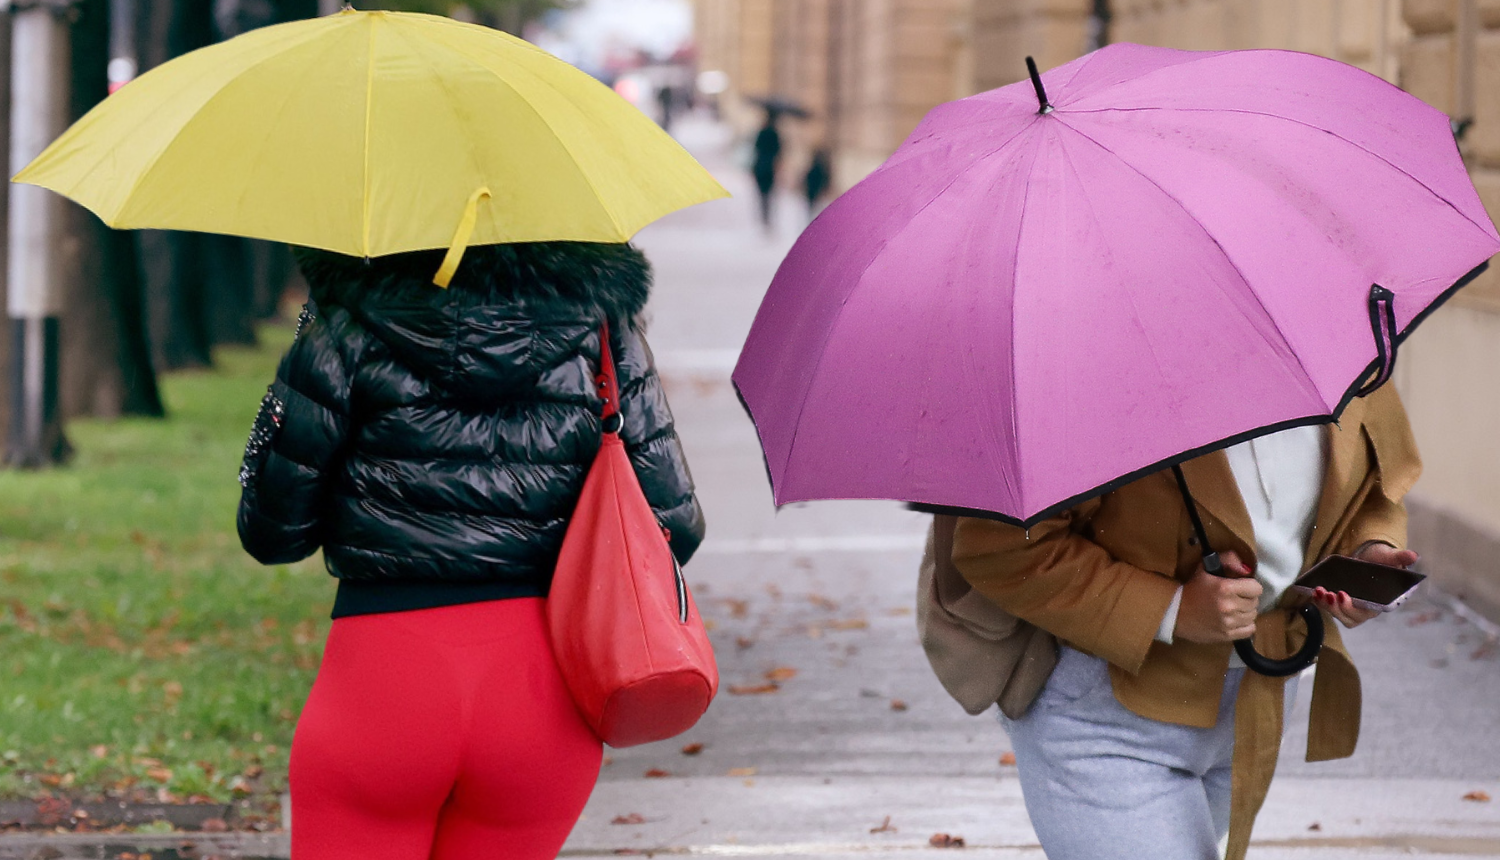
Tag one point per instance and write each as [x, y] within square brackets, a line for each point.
[1101, 782]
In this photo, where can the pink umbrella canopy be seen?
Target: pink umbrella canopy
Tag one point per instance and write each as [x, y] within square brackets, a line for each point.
[1030, 303]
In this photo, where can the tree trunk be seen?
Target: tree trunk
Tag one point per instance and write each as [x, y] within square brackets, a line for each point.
[175, 264]
[106, 365]
[229, 276]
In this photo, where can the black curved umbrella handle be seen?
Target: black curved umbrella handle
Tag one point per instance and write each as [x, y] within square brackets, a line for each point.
[1304, 657]
[1255, 661]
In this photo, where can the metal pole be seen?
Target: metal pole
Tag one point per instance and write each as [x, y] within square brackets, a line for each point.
[40, 79]
[123, 62]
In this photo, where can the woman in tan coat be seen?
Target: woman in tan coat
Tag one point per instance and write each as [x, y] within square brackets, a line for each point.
[1150, 739]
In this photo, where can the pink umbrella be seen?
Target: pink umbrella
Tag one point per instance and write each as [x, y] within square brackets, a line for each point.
[1025, 307]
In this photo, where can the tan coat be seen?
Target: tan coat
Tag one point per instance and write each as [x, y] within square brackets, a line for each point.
[1101, 576]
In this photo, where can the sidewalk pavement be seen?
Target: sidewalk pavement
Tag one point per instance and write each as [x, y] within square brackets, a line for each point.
[831, 738]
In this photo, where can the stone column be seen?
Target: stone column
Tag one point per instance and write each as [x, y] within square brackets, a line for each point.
[1007, 31]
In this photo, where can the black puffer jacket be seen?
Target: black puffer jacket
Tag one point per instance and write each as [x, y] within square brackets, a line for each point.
[434, 442]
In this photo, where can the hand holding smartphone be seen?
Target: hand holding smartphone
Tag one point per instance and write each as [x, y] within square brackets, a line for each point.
[1373, 587]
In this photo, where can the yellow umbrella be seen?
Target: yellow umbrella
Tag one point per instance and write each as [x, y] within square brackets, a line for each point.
[371, 133]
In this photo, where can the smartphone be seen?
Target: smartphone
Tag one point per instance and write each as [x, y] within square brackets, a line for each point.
[1375, 587]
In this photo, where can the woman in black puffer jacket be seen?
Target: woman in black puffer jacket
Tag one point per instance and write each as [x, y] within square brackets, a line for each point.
[434, 443]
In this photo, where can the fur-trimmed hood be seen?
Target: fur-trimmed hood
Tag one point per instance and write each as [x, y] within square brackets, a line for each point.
[512, 313]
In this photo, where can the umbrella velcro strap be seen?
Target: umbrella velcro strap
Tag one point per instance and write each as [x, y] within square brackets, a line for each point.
[1383, 326]
[455, 254]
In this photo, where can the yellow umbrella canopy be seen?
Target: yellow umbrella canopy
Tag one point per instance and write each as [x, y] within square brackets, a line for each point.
[371, 133]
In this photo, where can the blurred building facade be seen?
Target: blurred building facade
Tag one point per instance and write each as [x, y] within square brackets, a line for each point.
[868, 70]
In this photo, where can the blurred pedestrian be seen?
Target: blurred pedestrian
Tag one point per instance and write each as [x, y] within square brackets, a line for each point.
[767, 161]
[817, 180]
[667, 100]
[433, 443]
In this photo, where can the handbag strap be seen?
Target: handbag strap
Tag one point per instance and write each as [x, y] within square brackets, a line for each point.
[608, 383]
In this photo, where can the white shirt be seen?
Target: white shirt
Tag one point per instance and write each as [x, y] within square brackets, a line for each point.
[1280, 477]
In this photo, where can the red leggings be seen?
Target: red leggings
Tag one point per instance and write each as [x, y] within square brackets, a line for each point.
[440, 733]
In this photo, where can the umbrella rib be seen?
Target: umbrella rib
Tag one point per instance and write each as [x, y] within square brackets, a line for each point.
[542, 117]
[451, 104]
[1212, 238]
[260, 156]
[1015, 381]
[807, 393]
[1304, 124]
[150, 168]
[369, 122]
[1161, 368]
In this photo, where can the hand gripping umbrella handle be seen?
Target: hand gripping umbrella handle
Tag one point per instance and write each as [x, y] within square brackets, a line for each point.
[1253, 659]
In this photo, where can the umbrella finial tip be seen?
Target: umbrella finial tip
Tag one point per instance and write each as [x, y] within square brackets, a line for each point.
[1036, 83]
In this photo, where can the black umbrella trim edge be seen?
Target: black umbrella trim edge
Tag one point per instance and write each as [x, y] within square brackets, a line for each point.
[1110, 486]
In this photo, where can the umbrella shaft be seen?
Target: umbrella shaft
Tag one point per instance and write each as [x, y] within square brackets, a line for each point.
[1211, 561]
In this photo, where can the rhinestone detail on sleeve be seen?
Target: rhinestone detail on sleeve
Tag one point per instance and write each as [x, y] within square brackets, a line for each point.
[267, 422]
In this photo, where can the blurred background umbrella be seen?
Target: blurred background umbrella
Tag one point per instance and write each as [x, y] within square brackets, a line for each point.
[778, 106]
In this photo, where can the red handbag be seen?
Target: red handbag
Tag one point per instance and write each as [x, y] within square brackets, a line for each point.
[627, 634]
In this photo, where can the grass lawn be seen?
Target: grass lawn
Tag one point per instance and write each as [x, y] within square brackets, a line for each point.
[142, 653]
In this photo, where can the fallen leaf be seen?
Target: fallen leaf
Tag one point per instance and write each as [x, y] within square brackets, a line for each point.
[1424, 618]
[657, 773]
[607, 761]
[781, 673]
[692, 749]
[160, 774]
[898, 611]
[215, 825]
[943, 840]
[99, 750]
[774, 591]
[849, 624]
[1478, 796]
[1490, 648]
[1007, 759]
[737, 608]
[753, 689]
[822, 602]
[898, 705]
[743, 642]
[1315, 826]
[885, 827]
[741, 771]
[814, 631]
[632, 818]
